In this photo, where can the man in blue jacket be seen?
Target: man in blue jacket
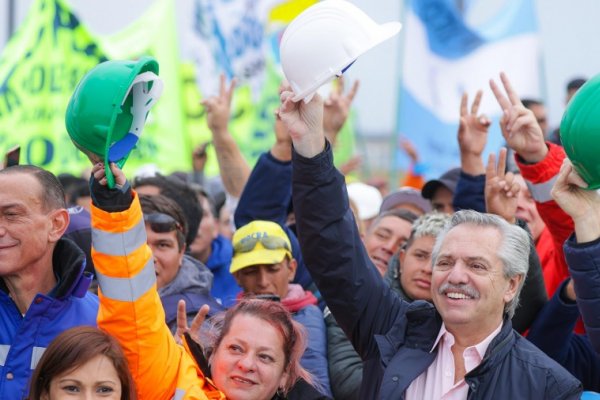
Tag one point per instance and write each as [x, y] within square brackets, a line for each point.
[43, 285]
[464, 346]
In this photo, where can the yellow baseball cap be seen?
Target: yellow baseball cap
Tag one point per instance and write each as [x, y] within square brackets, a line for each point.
[259, 242]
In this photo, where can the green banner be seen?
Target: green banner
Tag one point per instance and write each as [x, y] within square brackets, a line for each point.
[39, 69]
[164, 141]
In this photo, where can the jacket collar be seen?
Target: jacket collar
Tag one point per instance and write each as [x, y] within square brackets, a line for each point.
[68, 263]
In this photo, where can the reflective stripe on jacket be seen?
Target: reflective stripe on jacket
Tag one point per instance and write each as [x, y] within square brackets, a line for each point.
[131, 310]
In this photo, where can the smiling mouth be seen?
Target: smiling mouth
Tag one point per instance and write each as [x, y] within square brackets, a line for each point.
[243, 381]
[458, 296]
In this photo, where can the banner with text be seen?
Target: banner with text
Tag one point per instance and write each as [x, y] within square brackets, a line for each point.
[39, 69]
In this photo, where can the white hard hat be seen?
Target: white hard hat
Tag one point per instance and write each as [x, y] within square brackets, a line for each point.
[367, 199]
[324, 40]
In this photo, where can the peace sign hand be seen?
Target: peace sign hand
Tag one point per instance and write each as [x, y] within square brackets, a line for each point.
[501, 189]
[518, 124]
[218, 108]
[194, 329]
[337, 108]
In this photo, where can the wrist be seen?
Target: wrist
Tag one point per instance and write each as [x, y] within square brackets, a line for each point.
[472, 164]
[282, 151]
[534, 157]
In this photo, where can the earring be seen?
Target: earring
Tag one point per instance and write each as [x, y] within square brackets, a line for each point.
[280, 395]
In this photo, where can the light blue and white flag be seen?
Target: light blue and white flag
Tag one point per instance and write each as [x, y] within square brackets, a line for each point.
[454, 46]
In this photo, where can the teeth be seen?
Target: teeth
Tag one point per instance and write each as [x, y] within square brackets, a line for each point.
[453, 295]
[241, 380]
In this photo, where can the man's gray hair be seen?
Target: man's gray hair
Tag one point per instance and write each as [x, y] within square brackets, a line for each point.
[513, 252]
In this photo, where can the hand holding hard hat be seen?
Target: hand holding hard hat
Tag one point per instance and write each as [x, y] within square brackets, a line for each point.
[107, 112]
[580, 132]
[324, 40]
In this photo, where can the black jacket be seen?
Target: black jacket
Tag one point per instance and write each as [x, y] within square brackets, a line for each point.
[393, 337]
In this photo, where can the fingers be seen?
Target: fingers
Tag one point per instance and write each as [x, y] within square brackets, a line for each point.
[182, 326]
[490, 169]
[222, 85]
[463, 104]
[476, 102]
[353, 91]
[340, 85]
[99, 173]
[199, 318]
[510, 186]
[512, 94]
[229, 93]
[118, 174]
[500, 170]
[500, 98]
[572, 177]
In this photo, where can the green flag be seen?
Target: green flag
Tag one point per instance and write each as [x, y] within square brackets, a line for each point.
[39, 69]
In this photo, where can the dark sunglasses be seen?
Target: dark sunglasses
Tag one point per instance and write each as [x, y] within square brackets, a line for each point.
[162, 223]
[269, 242]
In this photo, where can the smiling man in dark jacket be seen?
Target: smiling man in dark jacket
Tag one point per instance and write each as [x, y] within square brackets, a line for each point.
[464, 346]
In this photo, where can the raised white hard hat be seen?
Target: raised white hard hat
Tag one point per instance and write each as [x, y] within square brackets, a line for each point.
[324, 40]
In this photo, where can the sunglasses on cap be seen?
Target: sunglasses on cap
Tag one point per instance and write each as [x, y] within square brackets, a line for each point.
[162, 223]
[268, 242]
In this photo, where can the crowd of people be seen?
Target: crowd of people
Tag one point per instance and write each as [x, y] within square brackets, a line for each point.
[280, 281]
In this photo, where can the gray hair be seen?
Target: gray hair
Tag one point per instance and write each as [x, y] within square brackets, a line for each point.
[430, 224]
[513, 251]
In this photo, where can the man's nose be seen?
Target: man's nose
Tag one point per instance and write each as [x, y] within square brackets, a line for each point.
[458, 273]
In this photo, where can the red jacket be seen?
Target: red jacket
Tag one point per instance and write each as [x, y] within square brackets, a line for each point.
[540, 178]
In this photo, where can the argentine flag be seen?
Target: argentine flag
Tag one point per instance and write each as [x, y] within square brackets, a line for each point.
[448, 51]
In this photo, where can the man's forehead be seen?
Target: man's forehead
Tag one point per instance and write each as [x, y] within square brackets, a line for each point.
[19, 189]
[473, 239]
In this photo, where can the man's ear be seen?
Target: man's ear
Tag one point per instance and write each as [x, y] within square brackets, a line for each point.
[59, 222]
[511, 289]
[292, 265]
[401, 257]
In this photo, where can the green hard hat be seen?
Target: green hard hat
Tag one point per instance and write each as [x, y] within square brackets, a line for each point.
[108, 109]
[580, 132]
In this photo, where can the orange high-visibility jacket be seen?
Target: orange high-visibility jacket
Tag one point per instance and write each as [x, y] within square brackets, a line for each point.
[131, 311]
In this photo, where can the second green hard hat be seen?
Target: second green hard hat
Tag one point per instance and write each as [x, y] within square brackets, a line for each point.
[580, 132]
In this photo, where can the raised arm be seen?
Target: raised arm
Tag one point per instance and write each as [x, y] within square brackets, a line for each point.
[130, 308]
[501, 191]
[582, 250]
[539, 163]
[337, 260]
[233, 167]
[472, 138]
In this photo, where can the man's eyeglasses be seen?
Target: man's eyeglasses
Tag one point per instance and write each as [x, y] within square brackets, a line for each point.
[162, 223]
[269, 242]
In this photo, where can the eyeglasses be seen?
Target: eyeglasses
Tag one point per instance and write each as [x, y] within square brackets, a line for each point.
[269, 242]
[162, 223]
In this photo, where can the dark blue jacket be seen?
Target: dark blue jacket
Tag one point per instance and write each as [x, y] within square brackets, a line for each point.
[469, 193]
[393, 337]
[225, 287]
[584, 266]
[552, 332]
[267, 196]
[23, 339]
